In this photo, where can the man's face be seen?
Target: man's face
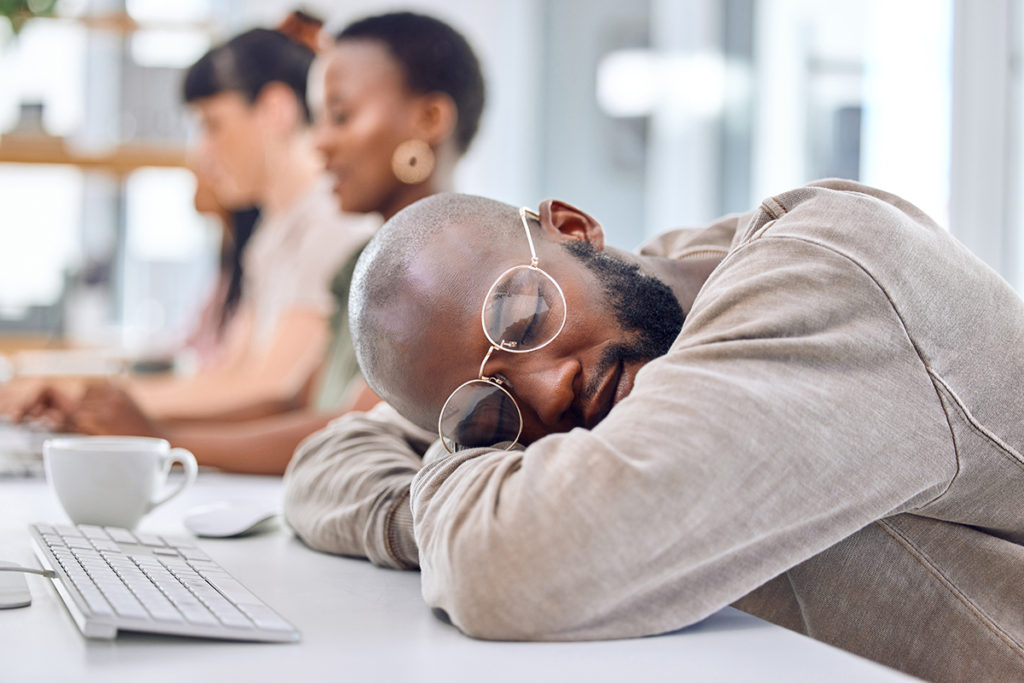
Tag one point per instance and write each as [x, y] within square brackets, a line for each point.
[617, 320]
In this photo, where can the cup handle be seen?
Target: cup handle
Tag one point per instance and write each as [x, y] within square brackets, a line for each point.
[188, 461]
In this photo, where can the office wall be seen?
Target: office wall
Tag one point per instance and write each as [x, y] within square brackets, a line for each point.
[587, 157]
[919, 96]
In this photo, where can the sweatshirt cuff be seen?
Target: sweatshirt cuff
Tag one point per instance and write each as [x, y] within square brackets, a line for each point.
[400, 539]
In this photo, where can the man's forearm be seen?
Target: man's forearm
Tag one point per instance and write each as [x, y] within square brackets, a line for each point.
[347, 488]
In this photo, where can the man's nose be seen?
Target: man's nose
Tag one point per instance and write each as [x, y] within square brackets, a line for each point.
[545, 388]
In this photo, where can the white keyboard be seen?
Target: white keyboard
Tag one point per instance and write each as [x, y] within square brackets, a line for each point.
[111, 579]
[21, 450]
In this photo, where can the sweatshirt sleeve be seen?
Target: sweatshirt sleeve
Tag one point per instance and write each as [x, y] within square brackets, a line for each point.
[347, 487]
[775, 427]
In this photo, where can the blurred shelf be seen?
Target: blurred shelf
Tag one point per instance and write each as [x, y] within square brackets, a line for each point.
[11, 343]
[120, 161]
[122, 22]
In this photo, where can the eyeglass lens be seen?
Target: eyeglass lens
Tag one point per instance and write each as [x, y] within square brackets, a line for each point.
[479, 414]
[524, 310]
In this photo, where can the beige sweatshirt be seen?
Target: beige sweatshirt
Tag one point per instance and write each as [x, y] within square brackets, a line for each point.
[833, 443]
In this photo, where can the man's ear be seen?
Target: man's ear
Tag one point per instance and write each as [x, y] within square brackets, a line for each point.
[570, 222]
[435, 118]
[279, 107]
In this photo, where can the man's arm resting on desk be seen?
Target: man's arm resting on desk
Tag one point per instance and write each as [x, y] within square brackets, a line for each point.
[347, 488]
[744, 451]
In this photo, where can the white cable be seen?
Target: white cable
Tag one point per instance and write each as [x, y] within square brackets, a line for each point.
[48, 573]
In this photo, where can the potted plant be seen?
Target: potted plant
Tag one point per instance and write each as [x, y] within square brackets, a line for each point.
[17, 12]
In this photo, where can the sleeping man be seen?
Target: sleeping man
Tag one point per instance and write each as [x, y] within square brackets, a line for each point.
[811, 411]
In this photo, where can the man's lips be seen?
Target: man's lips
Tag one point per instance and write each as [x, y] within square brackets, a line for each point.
[607, 395]
[625, 383]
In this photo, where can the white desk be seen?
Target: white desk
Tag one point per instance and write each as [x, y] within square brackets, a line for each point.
[363, 623]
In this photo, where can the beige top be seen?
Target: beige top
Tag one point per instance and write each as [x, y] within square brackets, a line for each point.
[292, 256]
[833, 443]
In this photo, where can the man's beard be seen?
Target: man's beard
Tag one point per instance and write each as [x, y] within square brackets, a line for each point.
[644, 306]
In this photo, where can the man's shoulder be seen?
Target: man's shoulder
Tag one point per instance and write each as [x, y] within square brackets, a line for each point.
[824, 206]
[833, 206]
[682, 242]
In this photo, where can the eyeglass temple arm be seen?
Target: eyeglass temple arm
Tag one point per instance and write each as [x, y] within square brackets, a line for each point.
[523, 213]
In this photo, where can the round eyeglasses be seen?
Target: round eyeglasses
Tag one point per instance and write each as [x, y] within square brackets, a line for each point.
[524, 310]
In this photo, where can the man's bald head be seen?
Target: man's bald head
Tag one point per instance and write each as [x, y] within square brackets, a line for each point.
[418, 294]
[387, 270]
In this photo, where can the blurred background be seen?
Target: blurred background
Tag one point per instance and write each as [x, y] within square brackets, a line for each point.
[647, 114]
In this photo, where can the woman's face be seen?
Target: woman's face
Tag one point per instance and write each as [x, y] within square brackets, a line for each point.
[367, 111]
[228, 153]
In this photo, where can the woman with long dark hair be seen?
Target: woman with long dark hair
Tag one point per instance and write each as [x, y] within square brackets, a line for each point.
[401, 103]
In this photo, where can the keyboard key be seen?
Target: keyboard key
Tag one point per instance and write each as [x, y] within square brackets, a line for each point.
[128, 606]
[217, 603]
[160, 608]
[193, 554]
[264, 617]
[183, 573]
[233, 618]
[200, 565]
[199, 615]
[90, 531]
[97, 603]
[121, 535]
[172, 562]
[150, 539]
[178, 542]
[171, 615]
[104, 544]
[118, 561]
[86, 554]
[156, 573]
[232, 589]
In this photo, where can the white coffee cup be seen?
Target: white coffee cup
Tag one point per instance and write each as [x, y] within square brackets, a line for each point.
[113, 480]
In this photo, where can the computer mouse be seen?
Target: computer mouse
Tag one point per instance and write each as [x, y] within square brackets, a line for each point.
[223, 520]
[13, 589]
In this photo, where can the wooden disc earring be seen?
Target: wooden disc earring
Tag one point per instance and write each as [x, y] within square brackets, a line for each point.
[412, 162]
